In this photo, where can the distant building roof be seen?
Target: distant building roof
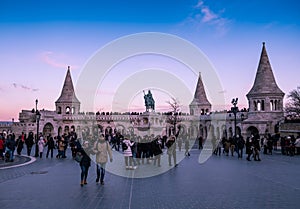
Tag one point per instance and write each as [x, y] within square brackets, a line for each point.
[68, 94]
[264, 82]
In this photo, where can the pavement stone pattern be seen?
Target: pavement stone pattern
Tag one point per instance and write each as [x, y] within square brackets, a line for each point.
[221, 182]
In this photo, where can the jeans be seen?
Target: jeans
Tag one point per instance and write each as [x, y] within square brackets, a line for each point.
[11, 154]
[84, 172]
[100, 172]
[29, 150]
[51, 152]
[240, 153]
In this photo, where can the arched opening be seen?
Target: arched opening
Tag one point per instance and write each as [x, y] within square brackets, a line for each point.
[252, 131]
[100, 127]
[68, 109]
[258, 106]
[271, 105]
[67, 129]
[108, 131]
[59, 131]
[48, 129]
[120, 128]
[59, 110]
[230, 132]
[255, 106]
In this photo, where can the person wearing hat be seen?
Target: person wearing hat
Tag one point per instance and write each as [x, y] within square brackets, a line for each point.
[103, 151]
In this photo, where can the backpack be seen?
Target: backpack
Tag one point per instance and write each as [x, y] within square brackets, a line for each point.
[78, 157]
[124, 146]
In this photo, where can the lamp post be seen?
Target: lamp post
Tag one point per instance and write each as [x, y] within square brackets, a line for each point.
[234, 110]
[37, 117]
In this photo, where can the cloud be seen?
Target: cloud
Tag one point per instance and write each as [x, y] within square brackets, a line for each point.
[203, 15]
[56, 60]
[21, 86]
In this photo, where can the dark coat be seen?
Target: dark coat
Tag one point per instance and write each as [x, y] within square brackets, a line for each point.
[86, 160]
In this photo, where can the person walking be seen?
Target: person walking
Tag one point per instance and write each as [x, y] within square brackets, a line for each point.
[187, 146]
[102, 150]
[29, 142]
[85, 162]
[1, 147]
[249, 148]
[171, 145]
[157, 151]
[20, 143]
[240, 145]
[50, 143]
[10, 144]
[41, 144]
[127, 152]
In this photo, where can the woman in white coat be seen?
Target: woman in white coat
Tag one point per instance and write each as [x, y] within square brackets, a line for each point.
[41, 144]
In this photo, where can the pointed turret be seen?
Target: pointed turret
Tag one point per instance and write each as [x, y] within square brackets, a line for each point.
[67, 103]
[200, 104]
[264, 80]
[265, 98]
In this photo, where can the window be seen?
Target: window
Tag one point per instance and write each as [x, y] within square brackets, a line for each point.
[68, 110]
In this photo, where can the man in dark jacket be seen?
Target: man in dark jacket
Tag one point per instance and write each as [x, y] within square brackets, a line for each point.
[51, 145]
[29, 142]
[10, 145]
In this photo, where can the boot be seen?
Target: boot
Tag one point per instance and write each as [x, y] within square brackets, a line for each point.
[81, 183]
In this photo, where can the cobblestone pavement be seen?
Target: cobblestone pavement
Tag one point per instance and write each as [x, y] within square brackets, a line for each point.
[221, 182]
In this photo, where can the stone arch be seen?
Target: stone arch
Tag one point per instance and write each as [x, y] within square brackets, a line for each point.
[68, 110]
[59, 131]
[67, 129]
[59, 110]
[252, 130]
[121, 128]
[224, 131]
[230, 132]
[183, 129]
[108, 130]
[48, 129]
[131, 130]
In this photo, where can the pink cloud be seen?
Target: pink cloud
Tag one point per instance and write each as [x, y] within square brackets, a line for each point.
[208, 15]
[204, 15]
[56, 60]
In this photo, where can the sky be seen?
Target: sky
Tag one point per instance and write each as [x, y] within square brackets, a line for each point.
[39, 39]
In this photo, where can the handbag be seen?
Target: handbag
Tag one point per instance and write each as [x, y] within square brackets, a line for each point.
[78, 157]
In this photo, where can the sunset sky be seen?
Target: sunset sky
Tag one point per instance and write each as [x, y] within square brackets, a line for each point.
[39, 39]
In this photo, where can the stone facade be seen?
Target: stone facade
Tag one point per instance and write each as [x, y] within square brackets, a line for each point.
[264, 115]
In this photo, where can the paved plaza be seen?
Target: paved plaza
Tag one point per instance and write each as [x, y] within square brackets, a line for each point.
[221, 182]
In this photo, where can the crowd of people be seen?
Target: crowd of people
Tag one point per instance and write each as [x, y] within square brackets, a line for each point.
[137, 150]
[254, 144]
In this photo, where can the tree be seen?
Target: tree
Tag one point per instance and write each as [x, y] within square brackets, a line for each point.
[173, 118]
[293, 105]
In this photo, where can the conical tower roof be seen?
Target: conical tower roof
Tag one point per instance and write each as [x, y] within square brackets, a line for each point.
[264, 81]
[68, 94]
[200, 95]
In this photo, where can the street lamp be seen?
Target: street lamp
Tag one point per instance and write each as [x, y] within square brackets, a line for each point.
[37, 117]
[234, 110]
